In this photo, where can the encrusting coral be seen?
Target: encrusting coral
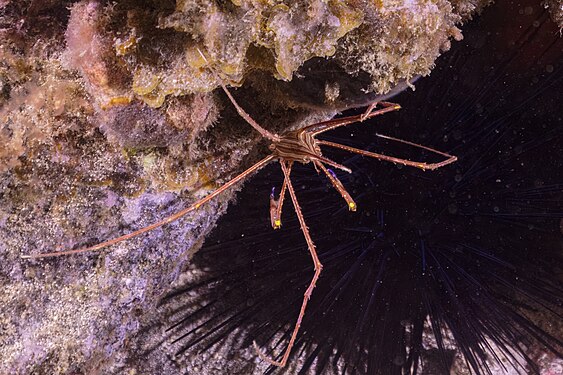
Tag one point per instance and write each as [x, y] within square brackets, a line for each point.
[555, 7]
[109, 121]
[156, 48]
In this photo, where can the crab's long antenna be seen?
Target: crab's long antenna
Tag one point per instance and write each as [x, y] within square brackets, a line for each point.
[425, 166]
[242, 112]
[165, 221]
[318, 269]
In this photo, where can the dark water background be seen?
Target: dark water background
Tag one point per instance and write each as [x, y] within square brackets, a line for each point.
[476, 244]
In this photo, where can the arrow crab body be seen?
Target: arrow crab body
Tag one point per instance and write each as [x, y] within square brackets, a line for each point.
[293, 146]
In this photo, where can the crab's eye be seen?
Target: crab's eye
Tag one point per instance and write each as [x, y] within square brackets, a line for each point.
[272, 147]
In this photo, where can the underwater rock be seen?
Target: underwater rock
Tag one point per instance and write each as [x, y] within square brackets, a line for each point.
[127, 51]
[110, 121]
[555, 8]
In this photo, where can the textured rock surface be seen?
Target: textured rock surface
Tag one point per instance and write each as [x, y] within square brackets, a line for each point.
[555, 7]
[109, 122]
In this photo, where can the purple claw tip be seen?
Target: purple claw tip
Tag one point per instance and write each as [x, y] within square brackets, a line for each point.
[331, 172]
[272, 194]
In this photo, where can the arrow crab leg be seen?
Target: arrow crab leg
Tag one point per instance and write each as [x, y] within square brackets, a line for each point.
[286, 167]
[425, 166]
[160, 223]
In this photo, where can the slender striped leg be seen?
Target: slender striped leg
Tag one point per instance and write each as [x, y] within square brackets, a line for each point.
[248, 119]
[242, 112]
[372, 111]
[332, 163]
[425, 166]
[276, 205]
[337, 185]
[321, 127]
[318, 269]
[165, 221]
